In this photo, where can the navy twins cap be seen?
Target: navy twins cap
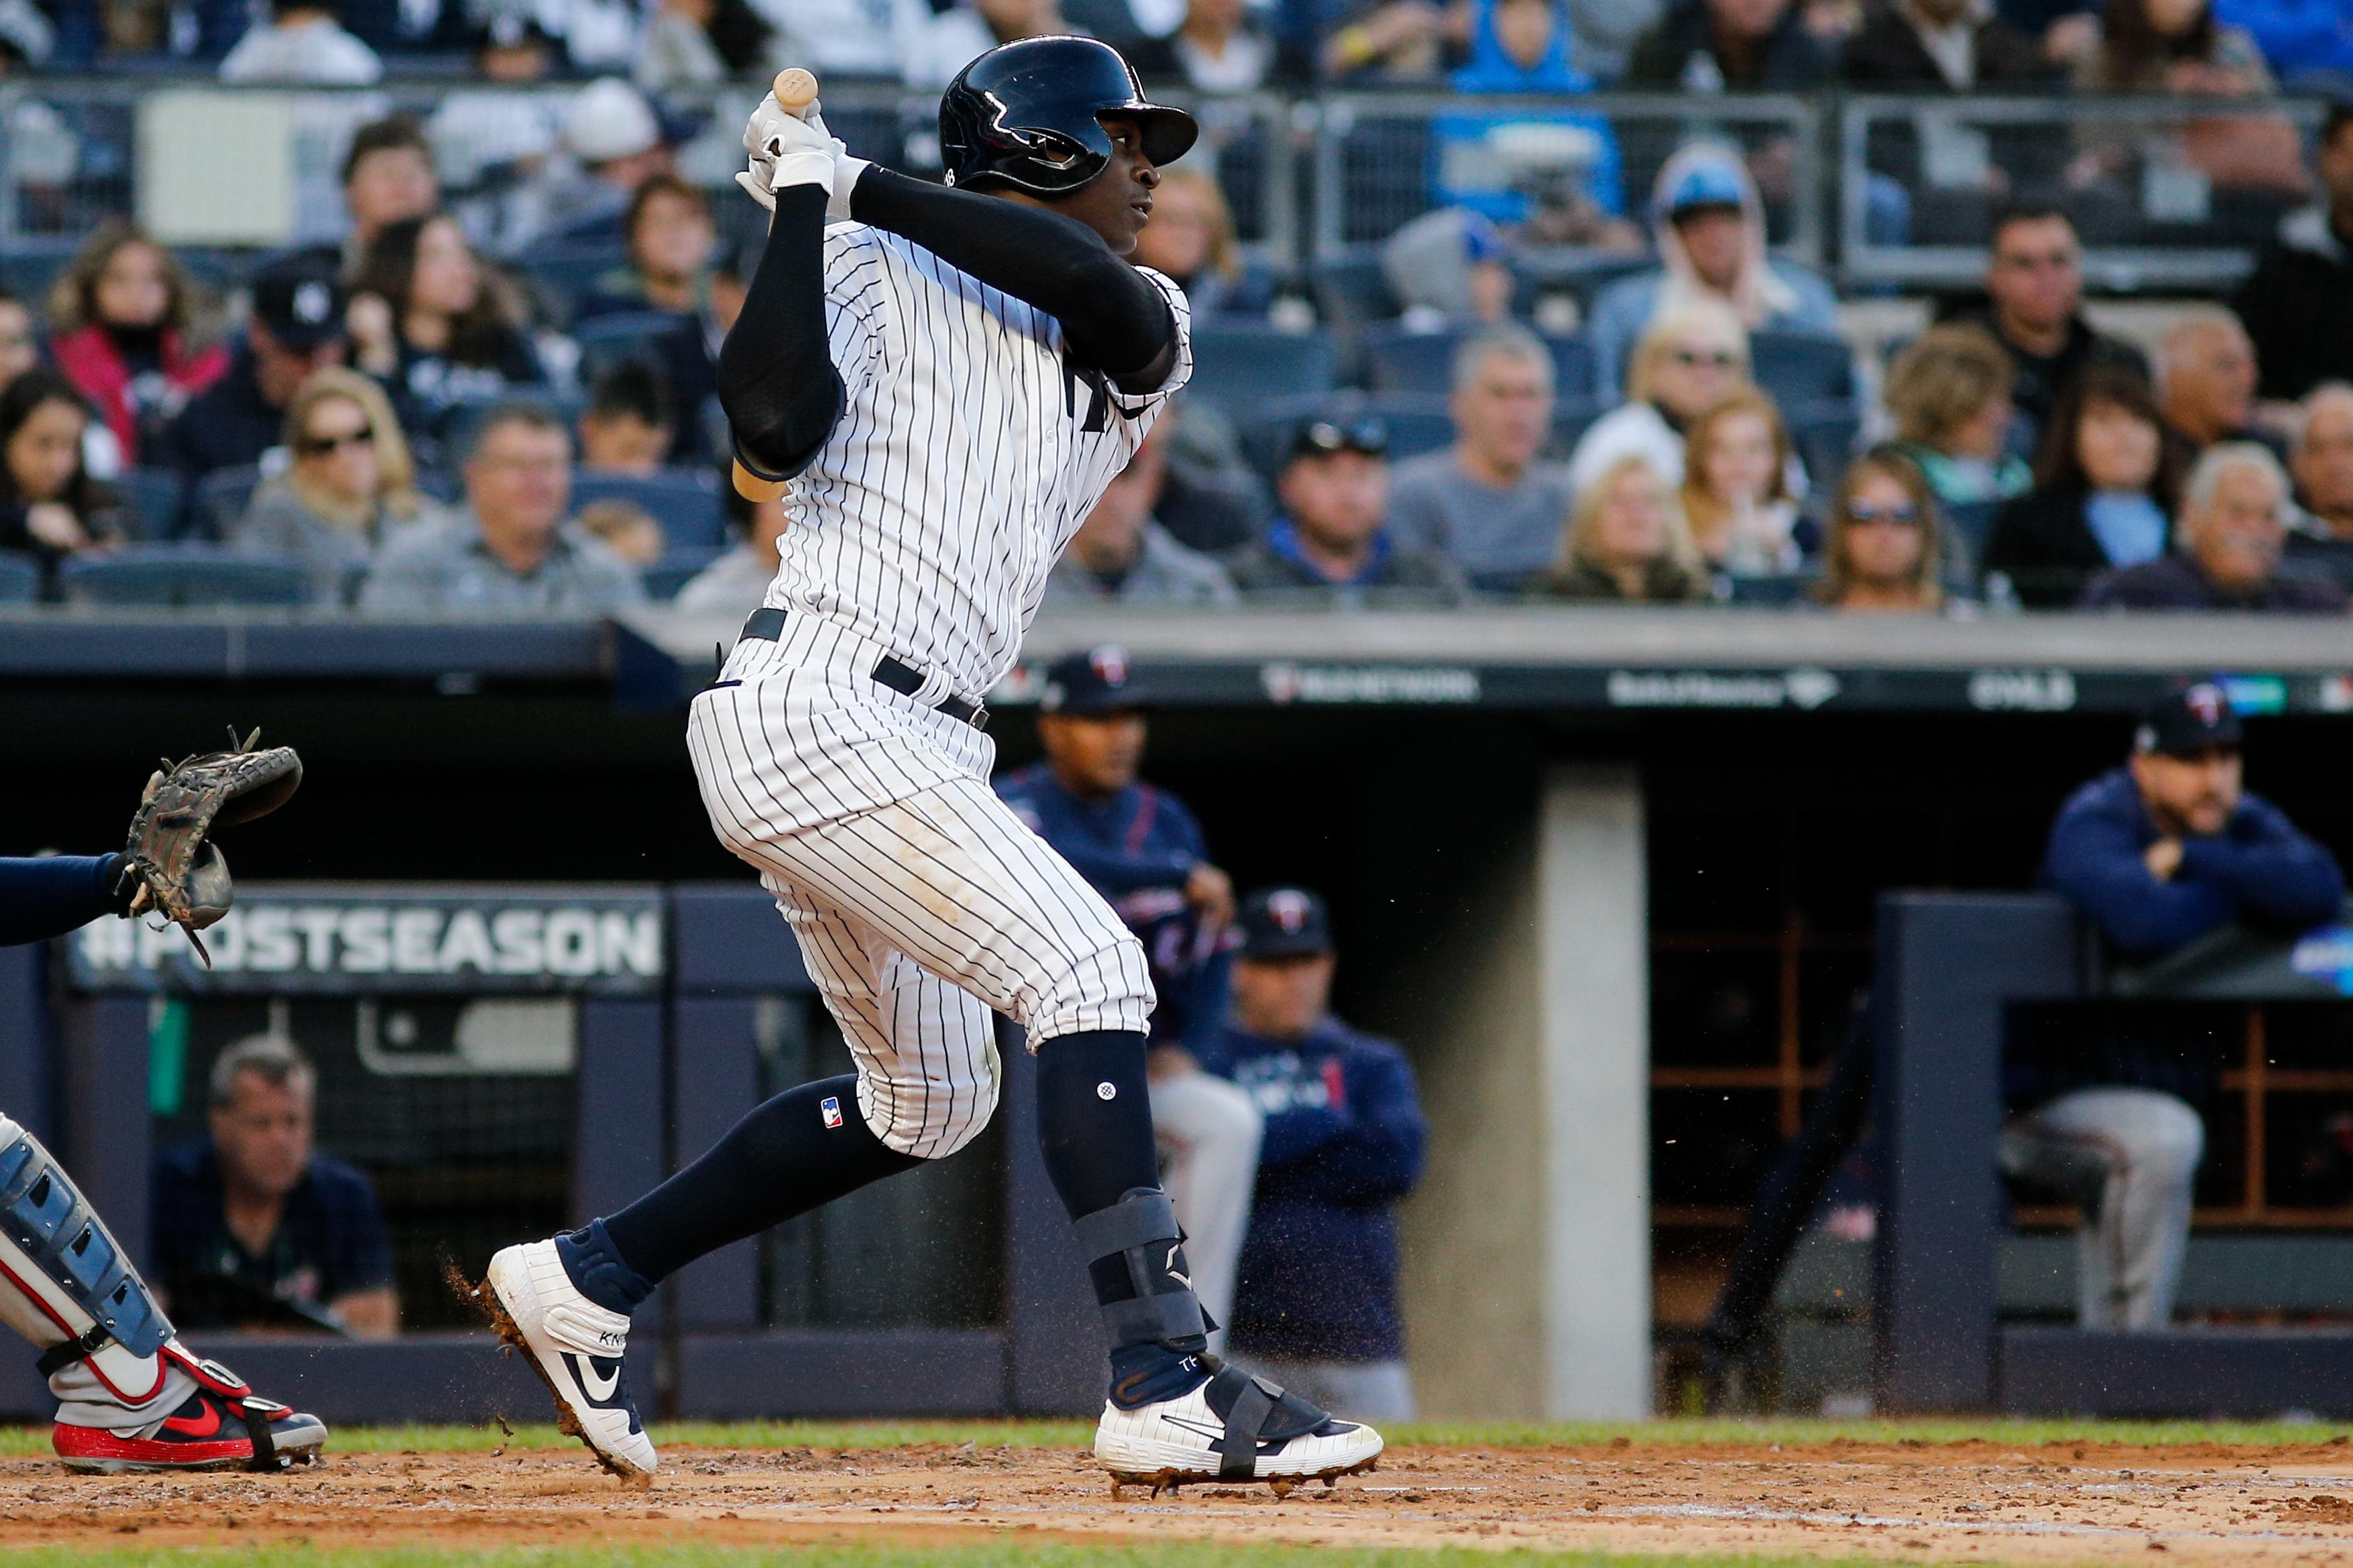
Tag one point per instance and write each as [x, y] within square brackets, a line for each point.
[1284, 922]
[2195, 719]
[1096, 681]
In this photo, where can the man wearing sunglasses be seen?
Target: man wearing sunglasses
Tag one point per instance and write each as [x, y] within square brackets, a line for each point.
[1332, 540]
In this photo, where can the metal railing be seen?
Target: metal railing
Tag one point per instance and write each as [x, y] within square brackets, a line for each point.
[1876, 190]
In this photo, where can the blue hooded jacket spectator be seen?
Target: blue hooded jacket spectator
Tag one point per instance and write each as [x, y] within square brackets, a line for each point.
[2299, 38]
[1493, 71]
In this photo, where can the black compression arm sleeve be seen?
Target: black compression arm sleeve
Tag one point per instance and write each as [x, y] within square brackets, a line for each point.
[776, 379]
[1112, 318]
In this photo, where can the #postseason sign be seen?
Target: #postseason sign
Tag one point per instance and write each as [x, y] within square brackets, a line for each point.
[368, 939]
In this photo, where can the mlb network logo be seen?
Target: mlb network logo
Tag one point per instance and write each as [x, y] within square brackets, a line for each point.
[830, 1107]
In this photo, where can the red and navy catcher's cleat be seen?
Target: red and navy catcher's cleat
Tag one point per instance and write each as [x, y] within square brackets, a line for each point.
[224, 1424]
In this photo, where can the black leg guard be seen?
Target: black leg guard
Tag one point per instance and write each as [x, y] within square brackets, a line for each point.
[1135, 1252]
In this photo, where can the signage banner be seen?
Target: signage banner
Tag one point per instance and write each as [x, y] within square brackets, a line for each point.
[358, 939]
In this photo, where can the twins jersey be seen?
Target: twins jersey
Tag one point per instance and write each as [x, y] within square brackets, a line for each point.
[968, 450]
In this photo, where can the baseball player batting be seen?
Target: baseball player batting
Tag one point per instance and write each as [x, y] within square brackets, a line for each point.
[946, 378]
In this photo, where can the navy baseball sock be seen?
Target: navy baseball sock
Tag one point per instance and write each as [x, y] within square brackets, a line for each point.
[803, 1149]
[1094, 1129]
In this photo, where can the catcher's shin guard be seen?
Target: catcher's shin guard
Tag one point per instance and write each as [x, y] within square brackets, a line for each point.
[66, 1285]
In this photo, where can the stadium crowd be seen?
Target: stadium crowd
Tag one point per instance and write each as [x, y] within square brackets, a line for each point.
[491, 386]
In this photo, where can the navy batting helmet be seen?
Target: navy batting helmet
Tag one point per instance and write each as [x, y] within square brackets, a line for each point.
[1031, 114]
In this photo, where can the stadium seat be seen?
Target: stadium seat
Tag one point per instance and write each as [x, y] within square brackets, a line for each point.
[152, 498]
[1243, 368]
[182, 575]
[1349, 291]
[221, 499]
[676, 568]
[1403, 360]
[1823, 435]
[685, 501]
[562, 275]
[20, 578]
[1781, 591]
[1802, 367]
[608, 341]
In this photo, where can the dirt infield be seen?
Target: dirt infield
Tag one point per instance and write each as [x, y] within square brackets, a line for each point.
[2058, 1502]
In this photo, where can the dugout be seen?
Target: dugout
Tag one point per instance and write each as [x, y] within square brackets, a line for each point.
[1607, 874]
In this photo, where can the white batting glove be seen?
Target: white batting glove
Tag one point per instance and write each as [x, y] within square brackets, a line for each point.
[789, 149]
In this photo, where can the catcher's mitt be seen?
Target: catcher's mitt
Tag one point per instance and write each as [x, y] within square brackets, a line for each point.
[180, 875]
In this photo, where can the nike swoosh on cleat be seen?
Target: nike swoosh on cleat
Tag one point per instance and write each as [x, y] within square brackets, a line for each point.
[599, 1379]
[188, 1426]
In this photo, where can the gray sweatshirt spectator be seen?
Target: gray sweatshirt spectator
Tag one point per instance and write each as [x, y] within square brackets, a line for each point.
[1486, 503]
[1121, 555]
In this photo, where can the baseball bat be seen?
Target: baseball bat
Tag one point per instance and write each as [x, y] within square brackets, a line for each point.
[795, 88]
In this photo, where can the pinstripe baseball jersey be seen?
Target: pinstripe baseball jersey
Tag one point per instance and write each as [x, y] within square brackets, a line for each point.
[968, 452]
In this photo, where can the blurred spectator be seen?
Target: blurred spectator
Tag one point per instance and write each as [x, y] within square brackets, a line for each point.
[1447, 268]
[965, 29]
[2034, 275]
[49, 506]
[1139, 846]
[627, 425]
[686, 358]
[1332, 537]
[2207, 369]
[428, 322]
[1394, 40]
[612, 143]
[846, 38]
[2297, 304]
[2322, 542]
[2175, 48]
[388, 175]
[677, 54]
[1607, 32]
[735, 585]
[1709, 45]
[1220, 48]
[1881, 542]
[253, 1226]
[492, 138]
[349, 486]
[1316, 1307]
[2106, 486]
[1121, 555]
[1486, 503]
[1693, 353]
[2159, 854]
[1627, 541]
[27, 37]
[510, 549]
[1553, 178]
[670, 238]
[625, 528]
[20, 338]
[1735, 493]
[2168, 46]
[294, 328]
[2300, 38]
[303, 44]
[2232, 530]
[1210, 498]
[1952, 46]
[1949, 393]
[1191, 238]
[1710, 225]
[121, 311]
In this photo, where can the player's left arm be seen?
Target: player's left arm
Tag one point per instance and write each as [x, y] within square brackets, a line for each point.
[56, 894]
[1113, 319]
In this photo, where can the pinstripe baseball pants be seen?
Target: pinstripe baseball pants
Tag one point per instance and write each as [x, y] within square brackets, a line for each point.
[920, 902]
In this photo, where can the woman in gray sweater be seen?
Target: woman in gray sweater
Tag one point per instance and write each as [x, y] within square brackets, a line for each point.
[349, 484]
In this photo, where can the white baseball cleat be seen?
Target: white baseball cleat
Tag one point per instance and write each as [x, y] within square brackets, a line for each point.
[1232, 1427]
[576, 1346]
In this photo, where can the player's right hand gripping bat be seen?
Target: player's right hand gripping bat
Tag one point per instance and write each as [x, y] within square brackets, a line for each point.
[794, 90]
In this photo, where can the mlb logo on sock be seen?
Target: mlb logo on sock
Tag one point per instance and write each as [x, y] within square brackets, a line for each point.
[830, 1109]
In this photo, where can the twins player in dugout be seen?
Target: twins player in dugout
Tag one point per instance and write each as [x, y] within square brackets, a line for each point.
[1142, 850]
[942, 380]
